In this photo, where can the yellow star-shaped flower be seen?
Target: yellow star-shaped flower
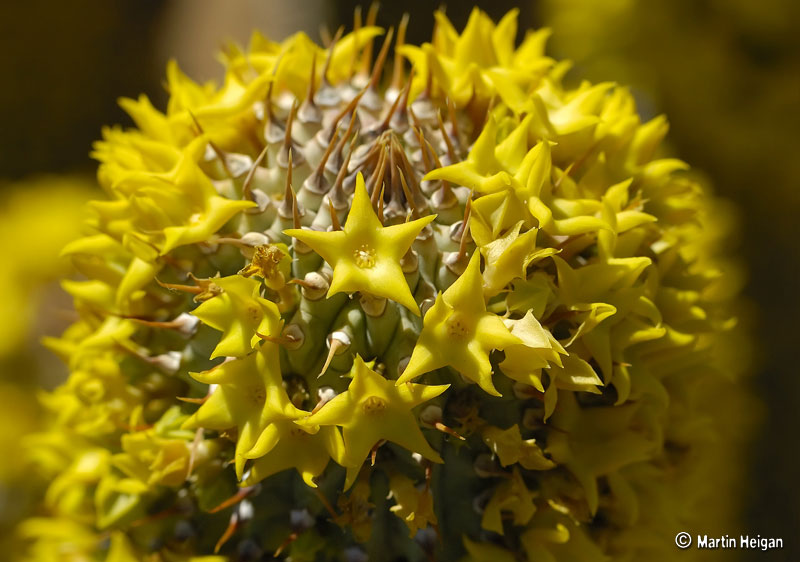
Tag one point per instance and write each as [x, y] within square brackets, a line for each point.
[593, 282]
[481, 62]
[506, 167]
[511, 449]
[412, 504]
[249, 397]
[365, 256]
[508, 257]
[481, 170]
[494, 214]
[182, 203]
[511, 496]
[524, 362]
[240, 314]
[158, 455]
[373, 409]
[459, 332]
[306, 449]
[598, 441]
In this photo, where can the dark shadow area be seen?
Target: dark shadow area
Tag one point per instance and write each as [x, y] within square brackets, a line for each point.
[63, 66]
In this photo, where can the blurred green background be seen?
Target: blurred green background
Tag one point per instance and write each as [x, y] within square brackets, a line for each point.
[726, 72]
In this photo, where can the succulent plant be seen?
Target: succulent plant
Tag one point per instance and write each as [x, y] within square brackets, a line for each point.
[329, 312]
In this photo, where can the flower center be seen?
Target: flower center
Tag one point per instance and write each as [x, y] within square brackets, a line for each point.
[259, 395]
[457, 326]
[265, 261]
[364, 257]
[373, 405]
[254, 314]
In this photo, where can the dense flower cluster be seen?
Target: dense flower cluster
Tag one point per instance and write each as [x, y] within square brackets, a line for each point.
[462, 311]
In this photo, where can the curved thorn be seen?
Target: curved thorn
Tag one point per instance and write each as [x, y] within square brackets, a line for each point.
[444, 429]
[198, 437]
[451, 151]
[356, 29]
[302, 283]
[295, 213]
[220, 155]
[328, 151]
[386, 120]
[404, 95]
[451, 110]
[287, 541]
[414, 119]
[409, 197]
[436, 162]
[241, 494]
[268, 100]
[177, 287]
[337, 153]
[337, 190]
[335, 346]
[423, 147]
[325, 35]
[246, 191]
[288, 195]
[374, 179]
[313, 78]
[462, 247]
[329, 55]
[366, 55]
[287, 139]
[379, 62]
[397, 71]
[380, 203]
[282, 340]
[193, 400]
[325, 502]
[334, 217]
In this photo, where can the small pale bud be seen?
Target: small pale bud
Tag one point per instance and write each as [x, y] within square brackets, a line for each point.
[326, 393]
[295, 334]
[245, 510]
[342, 338]
[168, 362]
[186, 324]
[371, 305]
[300, 519]
[403, 363]
[431, 414]
[262, 201]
